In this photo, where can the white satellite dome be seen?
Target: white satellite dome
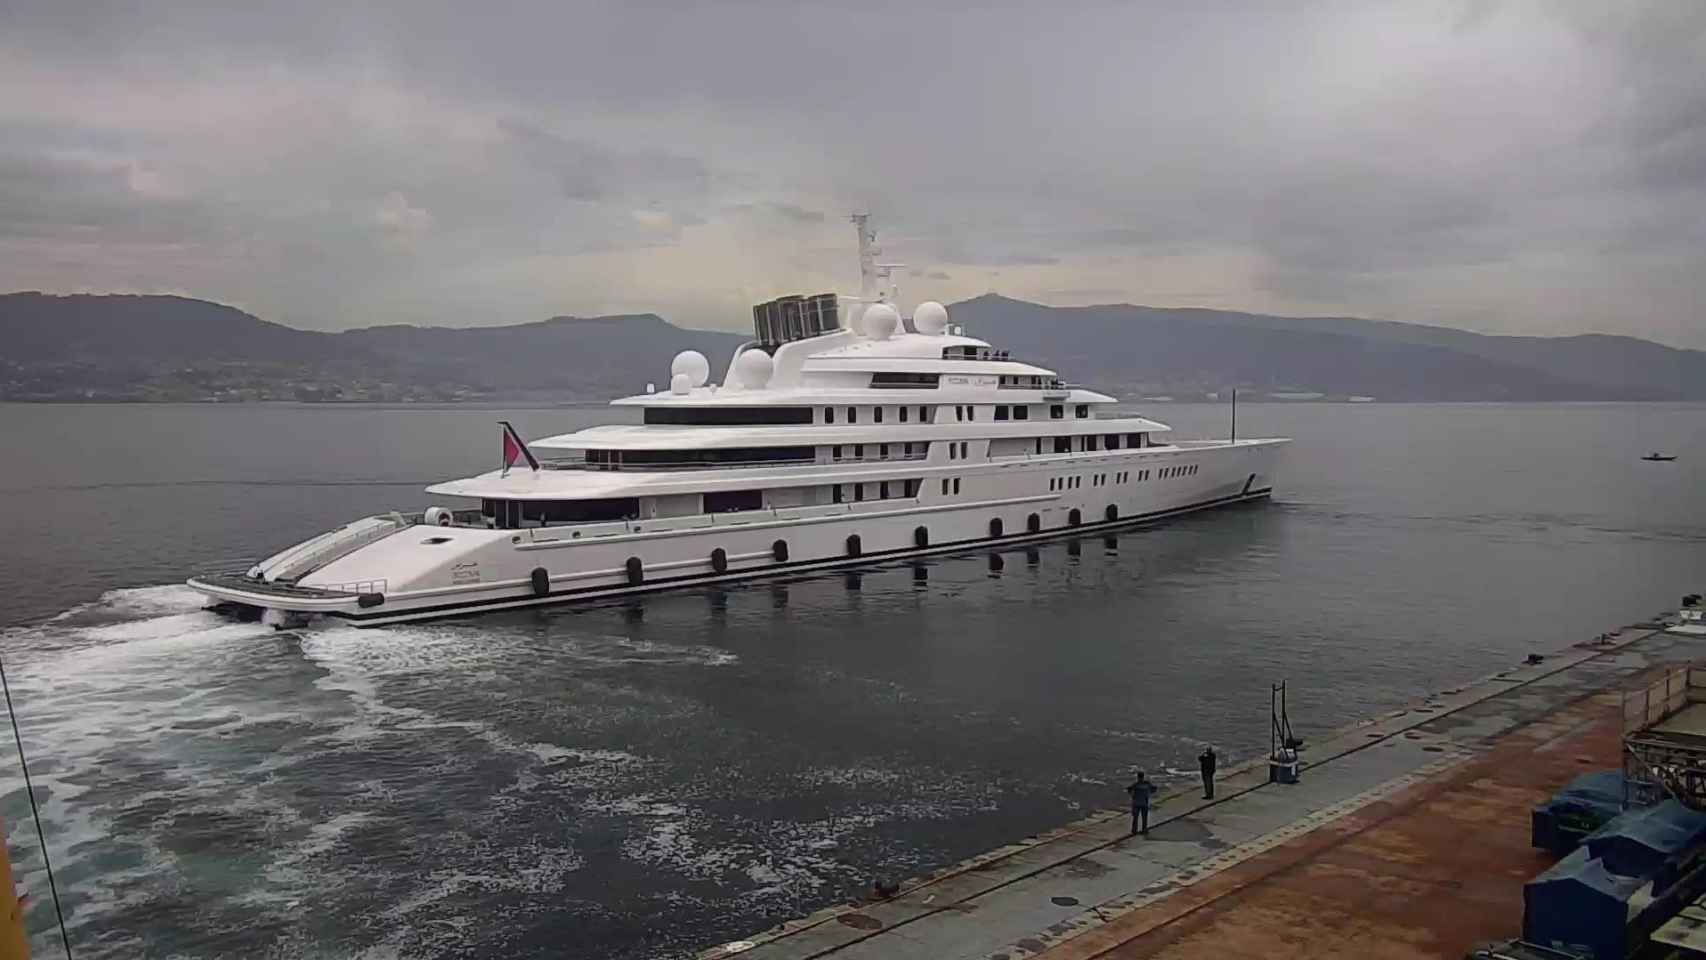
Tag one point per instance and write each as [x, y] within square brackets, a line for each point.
[856, 318]
[681, 383]
[930, 318]
[693, 364]
[753, 369]
[881, 321]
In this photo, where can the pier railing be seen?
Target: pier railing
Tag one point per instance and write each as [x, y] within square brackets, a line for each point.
[1665, 760]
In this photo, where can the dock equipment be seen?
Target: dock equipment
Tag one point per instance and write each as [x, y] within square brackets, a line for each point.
[1584, 805]
[1686, 932]
[1623, 883]
[1283, 746]
[1580, 906]
[1664, 739]
[1654, 842]
[1519, 950]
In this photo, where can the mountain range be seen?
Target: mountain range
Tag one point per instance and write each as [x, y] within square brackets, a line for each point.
[143, 347]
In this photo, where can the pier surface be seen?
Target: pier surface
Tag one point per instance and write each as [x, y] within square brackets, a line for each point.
[1407, 836]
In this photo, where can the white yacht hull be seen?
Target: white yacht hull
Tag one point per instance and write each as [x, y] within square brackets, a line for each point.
[376, 577]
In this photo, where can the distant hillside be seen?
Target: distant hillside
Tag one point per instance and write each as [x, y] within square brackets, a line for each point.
[1184, 350]
[86, 347]
[173, 348]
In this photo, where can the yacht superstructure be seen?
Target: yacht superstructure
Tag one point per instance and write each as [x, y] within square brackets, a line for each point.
[837, 435]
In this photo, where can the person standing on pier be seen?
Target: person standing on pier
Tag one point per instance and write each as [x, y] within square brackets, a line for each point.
[1206, 761]
[1141, 790]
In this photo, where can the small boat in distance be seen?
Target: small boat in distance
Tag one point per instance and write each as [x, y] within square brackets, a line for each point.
[1658, 457]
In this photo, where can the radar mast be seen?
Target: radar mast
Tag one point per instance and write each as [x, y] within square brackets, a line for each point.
[876, 280]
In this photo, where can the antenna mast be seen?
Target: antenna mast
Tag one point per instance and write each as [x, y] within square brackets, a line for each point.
[876, 280]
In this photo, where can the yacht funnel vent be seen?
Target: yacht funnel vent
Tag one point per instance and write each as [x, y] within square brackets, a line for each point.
[796, 317]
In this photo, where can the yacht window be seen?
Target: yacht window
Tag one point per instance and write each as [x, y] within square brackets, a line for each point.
[835, 494]
[1062, 444]
[1000, 412]
[1056, 411]
[728, 501]
[727, 416]
[515, 513]
[858, 451]
[956, 484]
[959, 413]
[883, 451]
[923, 415]
[1111, 441]
[876, 414]
[903, 411]
[883, 490]
[709, 456]
[944, 488]
[1089, 443]
[963, 447]
[1039, 444]
[852, 414]
[858, 492]
[916, 381]
[835, 452]
[971, 413]
[912, 487]
[1134, 440]
[1081, 411]
[1021, 413]
[828, 414]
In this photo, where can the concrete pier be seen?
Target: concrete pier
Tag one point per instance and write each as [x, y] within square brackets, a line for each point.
[1406, 837]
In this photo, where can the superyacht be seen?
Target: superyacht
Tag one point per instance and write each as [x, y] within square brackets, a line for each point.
[841, 433]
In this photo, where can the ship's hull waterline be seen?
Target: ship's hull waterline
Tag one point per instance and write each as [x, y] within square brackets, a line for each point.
[486, 570]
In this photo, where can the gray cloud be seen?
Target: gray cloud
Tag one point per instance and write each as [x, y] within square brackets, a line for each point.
[1520, 166]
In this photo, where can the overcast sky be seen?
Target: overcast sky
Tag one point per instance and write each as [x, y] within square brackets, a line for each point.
[1507, 167]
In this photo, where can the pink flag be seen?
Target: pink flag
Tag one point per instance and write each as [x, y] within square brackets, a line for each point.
[515, 449]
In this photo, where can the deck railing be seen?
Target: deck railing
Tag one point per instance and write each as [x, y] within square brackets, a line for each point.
[729, 464]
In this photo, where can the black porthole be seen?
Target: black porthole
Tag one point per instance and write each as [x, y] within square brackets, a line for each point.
[541, 581]
[1075, 518]
[1033, 523]
[995, 527]
[779, 550]
[1112, 513]
[921, 536]
[854, 546]
[636, 571]
[720, 560]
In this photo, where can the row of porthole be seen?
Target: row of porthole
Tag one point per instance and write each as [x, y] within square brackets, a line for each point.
[635, 567]
[1101, 479]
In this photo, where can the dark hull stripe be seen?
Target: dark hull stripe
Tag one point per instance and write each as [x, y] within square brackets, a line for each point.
[381, 617]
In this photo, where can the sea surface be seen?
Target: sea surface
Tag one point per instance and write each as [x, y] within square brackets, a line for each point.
[644, 778]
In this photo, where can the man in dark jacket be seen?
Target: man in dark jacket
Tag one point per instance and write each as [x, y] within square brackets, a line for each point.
[1206, 761]
[1141, 790]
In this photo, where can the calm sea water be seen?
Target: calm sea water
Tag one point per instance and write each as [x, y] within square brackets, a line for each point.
[640, 779]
